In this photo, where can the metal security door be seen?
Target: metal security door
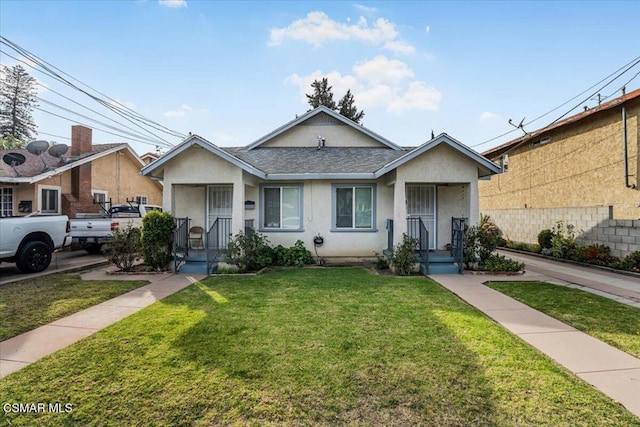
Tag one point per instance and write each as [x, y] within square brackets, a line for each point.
[219, 208]
[421, 203]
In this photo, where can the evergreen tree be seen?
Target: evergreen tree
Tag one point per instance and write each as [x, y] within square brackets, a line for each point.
[17, 100]
[348, 107]
[8, 142]
[322, 95]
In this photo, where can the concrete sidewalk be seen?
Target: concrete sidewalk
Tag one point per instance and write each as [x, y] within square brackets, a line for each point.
[613, 372]
[19, 351]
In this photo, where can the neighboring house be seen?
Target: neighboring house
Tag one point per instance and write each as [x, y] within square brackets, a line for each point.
[149, 157]
[576, 171]
[72, 182]
[323, 174]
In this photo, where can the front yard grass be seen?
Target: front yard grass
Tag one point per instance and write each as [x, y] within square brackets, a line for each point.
[30, 303]
[308, 347]
[615, 323]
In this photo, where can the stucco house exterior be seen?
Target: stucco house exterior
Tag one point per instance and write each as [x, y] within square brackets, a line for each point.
[582, 170]
[72, 182]
[324, 175]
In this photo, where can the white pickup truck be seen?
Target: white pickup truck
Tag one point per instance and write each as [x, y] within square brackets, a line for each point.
[30, 241]
[91, 231]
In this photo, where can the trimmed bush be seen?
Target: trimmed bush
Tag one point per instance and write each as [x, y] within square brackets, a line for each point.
[403, 255]
[249, 251]
[544, 238]
[157, 239]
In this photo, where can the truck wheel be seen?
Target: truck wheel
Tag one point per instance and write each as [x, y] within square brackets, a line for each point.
[34, 257]
[95, 248]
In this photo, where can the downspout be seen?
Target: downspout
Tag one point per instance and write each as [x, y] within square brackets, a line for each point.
[626, 154]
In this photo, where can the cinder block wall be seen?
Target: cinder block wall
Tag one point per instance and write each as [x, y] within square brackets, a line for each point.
[592, 225]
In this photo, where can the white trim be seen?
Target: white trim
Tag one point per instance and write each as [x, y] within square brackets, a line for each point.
[103, 192]
[58, 202]
[316, 111]
[13, 200]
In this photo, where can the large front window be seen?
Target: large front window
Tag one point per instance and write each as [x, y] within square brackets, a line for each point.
[354, 207]
[282, 207]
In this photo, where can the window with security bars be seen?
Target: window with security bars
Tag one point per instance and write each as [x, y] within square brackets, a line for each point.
[6, 201]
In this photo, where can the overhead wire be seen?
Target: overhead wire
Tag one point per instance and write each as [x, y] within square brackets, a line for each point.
[114, 106]
[116, 103]
[629, 64]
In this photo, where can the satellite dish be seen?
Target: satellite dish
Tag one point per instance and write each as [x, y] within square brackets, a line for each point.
[13, 159]
[58, 150]
[37, 147]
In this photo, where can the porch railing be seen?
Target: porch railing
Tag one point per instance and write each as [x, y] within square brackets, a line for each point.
[180, 242]
[457, 241]
[217, 239]
[417, 229]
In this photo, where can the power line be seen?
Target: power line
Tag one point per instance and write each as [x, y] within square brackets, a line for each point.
[55, 136]
[114, 106]
[95, 128]
[634, 62]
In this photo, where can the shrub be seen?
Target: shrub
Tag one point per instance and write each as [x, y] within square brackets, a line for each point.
[381, 262]
[157, 239]
[544, 239]
[630, 263]
[250, 251]
[403, 255]
[496, 262]
[124, 247]
[297, 255]
[594, 254]
[481, 241]
[563, 242]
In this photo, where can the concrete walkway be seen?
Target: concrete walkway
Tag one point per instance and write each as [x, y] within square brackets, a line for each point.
[19, 351]
[613, 372]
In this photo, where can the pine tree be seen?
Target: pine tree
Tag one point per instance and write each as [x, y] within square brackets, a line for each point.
[17, 100]
[348, 107]
[322, 94]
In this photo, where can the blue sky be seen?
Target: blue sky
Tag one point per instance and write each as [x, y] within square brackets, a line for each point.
[234, 71]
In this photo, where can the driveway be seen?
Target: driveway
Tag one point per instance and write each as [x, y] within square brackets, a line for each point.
[599, 280]
[65, 260]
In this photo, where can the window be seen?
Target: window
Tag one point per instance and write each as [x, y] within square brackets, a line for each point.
[6, 201]
[141, 200]
[49, 199]
[504, 162]
[282, 207]
[99, 197]
[540, 142]
[353, 207]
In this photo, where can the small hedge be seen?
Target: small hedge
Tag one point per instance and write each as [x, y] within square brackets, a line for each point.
[252, 252]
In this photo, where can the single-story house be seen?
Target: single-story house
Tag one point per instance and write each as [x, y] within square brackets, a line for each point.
[67, 180]
[324, 175]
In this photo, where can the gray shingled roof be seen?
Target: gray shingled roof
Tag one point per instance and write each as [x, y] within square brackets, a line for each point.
[308, 160]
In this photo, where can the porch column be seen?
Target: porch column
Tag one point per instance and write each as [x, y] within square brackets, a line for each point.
[474, 203]
[399, 211]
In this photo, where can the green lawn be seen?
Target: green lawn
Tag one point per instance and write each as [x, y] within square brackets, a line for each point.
[612, 322]
[30, 303]
[308, 347]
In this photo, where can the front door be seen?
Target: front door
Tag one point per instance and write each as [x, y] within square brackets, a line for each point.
[421, 203]
[219, 206]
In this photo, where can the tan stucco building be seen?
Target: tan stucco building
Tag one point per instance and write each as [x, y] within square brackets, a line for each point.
[70, 183]
[582, 170]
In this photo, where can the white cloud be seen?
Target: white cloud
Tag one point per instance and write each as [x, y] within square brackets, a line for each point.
[381, 69]
[379, 82]
[317, 28]
[180, 112]
[174, 4]
[365, 9]
[418, 96]
[488, 116]
[427, 29]
[119, 103]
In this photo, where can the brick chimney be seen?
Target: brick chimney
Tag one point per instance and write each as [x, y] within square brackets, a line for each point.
[80, 140]
[81, 199]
